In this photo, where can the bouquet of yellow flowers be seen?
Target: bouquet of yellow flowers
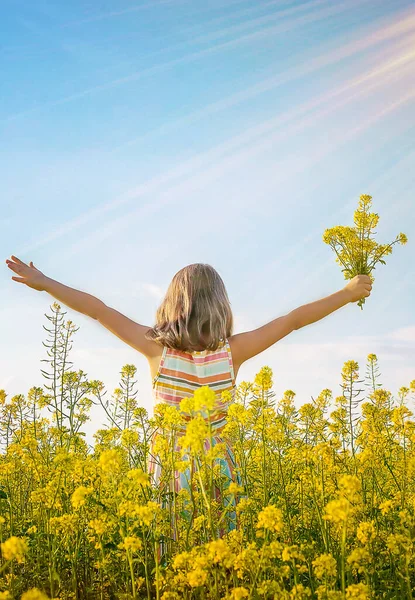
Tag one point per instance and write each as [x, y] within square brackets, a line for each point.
[355, 247]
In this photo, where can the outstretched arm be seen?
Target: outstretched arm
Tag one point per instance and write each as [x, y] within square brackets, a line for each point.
[249, 344]
[127, 330]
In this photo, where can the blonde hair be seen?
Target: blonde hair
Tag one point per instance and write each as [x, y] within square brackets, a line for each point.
[195, 311]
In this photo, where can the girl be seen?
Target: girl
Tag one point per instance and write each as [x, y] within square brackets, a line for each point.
[192, 342]
[194, 318]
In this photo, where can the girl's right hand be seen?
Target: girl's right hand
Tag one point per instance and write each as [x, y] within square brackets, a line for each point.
[29, 274]
[359, 287]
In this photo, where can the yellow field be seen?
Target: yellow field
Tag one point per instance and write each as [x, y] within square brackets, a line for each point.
[321, 506]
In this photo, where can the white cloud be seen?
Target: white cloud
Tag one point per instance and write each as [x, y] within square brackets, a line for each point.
[405, 334]
[6, 381]
[153, 290]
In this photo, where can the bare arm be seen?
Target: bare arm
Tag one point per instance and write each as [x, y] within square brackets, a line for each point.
[127, 330]
[249, 344]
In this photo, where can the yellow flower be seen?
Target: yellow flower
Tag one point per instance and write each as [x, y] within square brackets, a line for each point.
[196, 433]
[386, 506]
[64, 525]
[325, 565]
[270, 518]
[219, 552]
[397, 543]
[147, 513]
[238, 593]
[181, 465]
[198, 523]
[204, 398]
[5, 596]
[180, 560]
[78, 498]
[349, 485]
[235, 489]
[138, 476]
[110, 461]
[365, 532]
[14, 548]
[238, 413]
[32, 529]
[132, 543]
[358, 591]
[129, 437]
[299, 592]
[187, 405]
[99, 526]
[226, 397]
[34, 594]
[337, 511]
[358, 559]
[264, 378]
[197, 577]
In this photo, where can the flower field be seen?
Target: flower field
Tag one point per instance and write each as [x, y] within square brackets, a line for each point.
[321, 505]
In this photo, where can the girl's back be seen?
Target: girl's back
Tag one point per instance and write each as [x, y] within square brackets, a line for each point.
[181, 373]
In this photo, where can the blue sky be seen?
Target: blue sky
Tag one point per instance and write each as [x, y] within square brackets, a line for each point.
[136, 138]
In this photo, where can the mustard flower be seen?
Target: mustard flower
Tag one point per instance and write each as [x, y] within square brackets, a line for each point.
[34, 594]
[195, 436]
[181, 560]
[235, 489]
[349, 484]
[132, 543]
[129, 437]
[14, 548]
[357, 591]
[325, 566]
[299, 592]
[147, 513]
[204, 398]
[187, 405]
[138, 477]
[197, 577]
[270, 518]
[110, 461]
[99, 526]
[238, 593]
[78, 498]
[264, 378]
[219, 552]
[199, 522]
[386, 506]
[355, 247]
[365, 532]
[359, 558]
[337, 511]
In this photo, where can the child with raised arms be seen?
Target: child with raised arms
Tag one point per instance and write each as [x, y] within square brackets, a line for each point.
[192, 343]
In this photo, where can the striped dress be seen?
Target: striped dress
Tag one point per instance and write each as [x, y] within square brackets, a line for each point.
[179, 375]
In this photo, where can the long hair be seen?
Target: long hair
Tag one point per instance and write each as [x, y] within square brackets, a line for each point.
[195, 311]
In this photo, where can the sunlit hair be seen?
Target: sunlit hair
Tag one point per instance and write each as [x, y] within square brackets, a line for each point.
[195, 312]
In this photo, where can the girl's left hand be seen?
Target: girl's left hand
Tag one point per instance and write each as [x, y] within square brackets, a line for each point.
[359, 287]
